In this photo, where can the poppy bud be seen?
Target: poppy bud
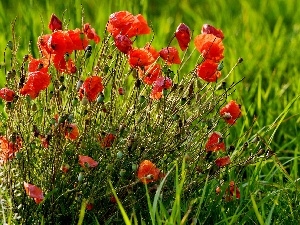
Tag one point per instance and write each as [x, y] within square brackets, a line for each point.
[79, 84]
[19, 155]
[110, 167]
[55, 23]
[220, 66]
[134, 167]
[10, 45]
[122, 172]
[121, 91]
[84, 100]
[142, 99]
[100, 98]
[80, 177]
[209, 29]
[33, 107]
[88, 51]
[119, 154]
[183, 36]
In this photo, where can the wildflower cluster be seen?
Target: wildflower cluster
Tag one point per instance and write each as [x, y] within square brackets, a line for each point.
[85, 112]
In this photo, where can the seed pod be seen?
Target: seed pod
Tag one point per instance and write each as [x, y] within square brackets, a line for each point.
[80, 177]
[119, 155]
[79, 84]
[84, 100]
[100, 98]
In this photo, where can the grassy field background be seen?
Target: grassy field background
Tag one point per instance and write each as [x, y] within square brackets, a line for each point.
[266, 34]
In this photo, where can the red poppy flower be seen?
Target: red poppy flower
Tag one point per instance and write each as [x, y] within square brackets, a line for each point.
[36, 82]
[138, 27]
[79, 40]
[123, 43]
[7, 94]
[121, 91]
[62, 65]
[38, 64]
[119, 23]
[149, 74]
[60, 43]
[210, 46]
[89, 206]
[34, 192]
[161, 83]
[224, 161]
[65, 168]
[208, 29]
[215, 142]
[108, 140]
[8, 149]
[231, 112]
[147, 172]
[43, 45]
[72, 131]
[90, 33]
[112, 199]
[55, 23]
[170, 55]
[91, 88]
[232, 191]
[208, 71]
[123, 22]
[87, 161]
[140, 57]
[44, 141]
[152, 50]
[183, 36]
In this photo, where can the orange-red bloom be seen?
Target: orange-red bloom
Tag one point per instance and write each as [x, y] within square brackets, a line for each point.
[34, 192]
[231, 112]
[210, 46]
[79, 40]
[209, 29]
[215, 142]
[38, 64]
[152, 50]
[108, 140]
[60, 43]
[161, 83]
[147, 172]
[86, 161]
[123, 43]
[90, 33]
[183, 36]
[89, 206]
[224, 161]
[140, 57]
[72, 131]
[170, 55]
[232, 191]
[8, 149]
[36, 82]
[91, 88]
[123, 22]
[149, 74]
[208, 71]
[55, 23]
[7, 94]
[65, 168]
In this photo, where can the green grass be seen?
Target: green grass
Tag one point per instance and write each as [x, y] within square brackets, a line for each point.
[266, 34]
